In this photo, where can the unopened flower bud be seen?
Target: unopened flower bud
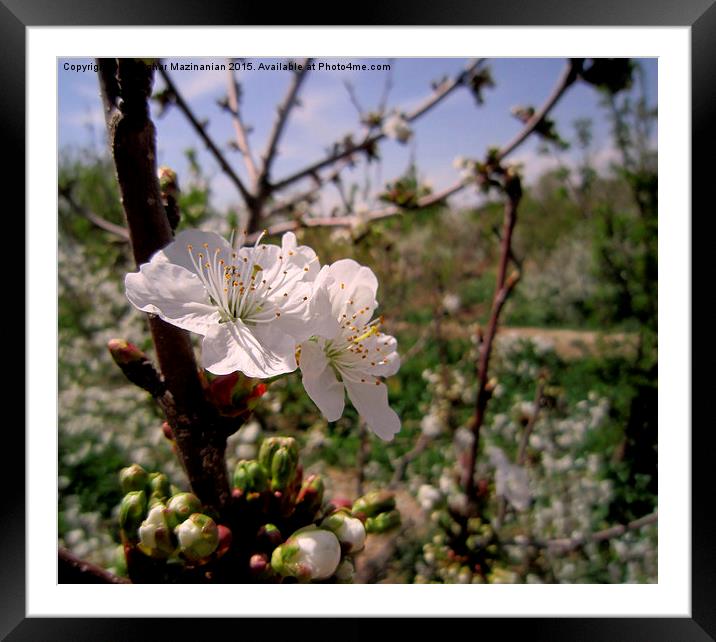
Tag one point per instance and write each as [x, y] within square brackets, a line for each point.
[373, 503]
[268, 537]
[309, 554]
[383, 522]
[349, 531]
[250, 476]
[225, 539]
[346, 571]
[159, 485]
[124, 352]
[272, 445]
[310, 497]
[179, 508]
[155, 536]
[198, 536]
[131, 512]
[284, 465]
[133, 478]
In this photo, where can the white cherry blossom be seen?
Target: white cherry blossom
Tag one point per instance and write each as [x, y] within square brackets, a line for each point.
[252, 305]
[353, 358]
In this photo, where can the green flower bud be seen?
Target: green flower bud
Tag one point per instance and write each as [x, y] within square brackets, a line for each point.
[133, 478]
[309, 554]
[378, 501]
[198, 536]
[346, 571]
[383, 522]
[283, 468]
[159, 485]
[131, 512]
[155, 537]
[349, 531]
[270, 446]
[124, 352]
[179, 508]
[250, 476]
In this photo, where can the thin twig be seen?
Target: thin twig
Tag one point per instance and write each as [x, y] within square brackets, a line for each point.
[283, 110]
[439, 94]
[102, 223]
[210, 144]
[568, 76]
[242, 140]
[72, 570]
[536, 404]
[567, 544]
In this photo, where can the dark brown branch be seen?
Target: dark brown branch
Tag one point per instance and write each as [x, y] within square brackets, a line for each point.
[502, 290]
[201, 131]
[440, 93]
[242, 140]
[197, 429]
[72, 570]
[402, 464]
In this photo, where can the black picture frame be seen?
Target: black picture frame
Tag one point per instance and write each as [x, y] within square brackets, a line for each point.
[699, 15]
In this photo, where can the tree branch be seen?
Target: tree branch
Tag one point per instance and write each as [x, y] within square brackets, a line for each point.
[567, 544]
[196, 426]
[440, 93]
[502, 290]
[72, 570]
[568, 76]
[242, 140]
[211, 146]
[102, 223]
[283, 110]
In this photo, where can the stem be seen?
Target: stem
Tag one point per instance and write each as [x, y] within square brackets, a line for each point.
[502, 290]
[199, 433]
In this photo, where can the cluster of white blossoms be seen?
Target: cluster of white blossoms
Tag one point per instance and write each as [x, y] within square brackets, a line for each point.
[265, 309]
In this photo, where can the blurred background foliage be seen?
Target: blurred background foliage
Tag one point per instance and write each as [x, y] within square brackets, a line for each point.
[584, 318]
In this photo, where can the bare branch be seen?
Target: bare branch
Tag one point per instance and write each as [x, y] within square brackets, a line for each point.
[375, 215]
[72, 570]
[568, 76]
[566, 544]
[439, 94]
[283, 110]
[102, 223]
[201, 131]
[242, 140]
[536, 404]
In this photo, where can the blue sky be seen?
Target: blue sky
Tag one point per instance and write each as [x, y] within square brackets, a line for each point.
[457, 126]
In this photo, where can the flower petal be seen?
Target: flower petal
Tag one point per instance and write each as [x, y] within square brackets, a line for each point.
[260, 351]
[354, 288]
[371, 401]
[382, 350]
[177, 252]
[320, 381]
[172, 292]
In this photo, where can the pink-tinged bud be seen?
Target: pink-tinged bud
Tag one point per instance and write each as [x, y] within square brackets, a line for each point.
[310, 497]
[124, 352]
[309, 554]
[341, 502]
[268, 537]
[225, 539]
[167, 431]
[258, 564]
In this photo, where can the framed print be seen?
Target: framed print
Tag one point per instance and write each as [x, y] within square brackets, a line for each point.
[235, 201]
